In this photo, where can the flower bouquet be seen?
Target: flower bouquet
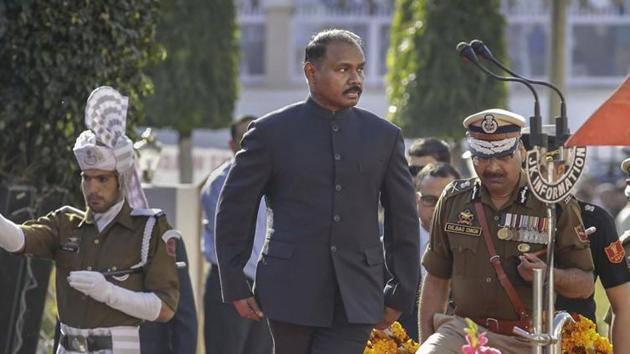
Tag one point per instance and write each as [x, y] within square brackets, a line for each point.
[476, 342]
[581, 337]
[393, 340]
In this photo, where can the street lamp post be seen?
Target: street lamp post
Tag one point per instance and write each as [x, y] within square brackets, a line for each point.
[149, 150]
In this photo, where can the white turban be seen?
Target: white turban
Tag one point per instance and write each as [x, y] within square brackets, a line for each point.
[105, 146]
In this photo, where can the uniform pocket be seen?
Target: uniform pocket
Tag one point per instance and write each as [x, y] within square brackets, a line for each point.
[465, 255]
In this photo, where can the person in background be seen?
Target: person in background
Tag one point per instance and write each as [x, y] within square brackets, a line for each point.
[424, 151]
[224, 330]
[179, 335]
[430, 183]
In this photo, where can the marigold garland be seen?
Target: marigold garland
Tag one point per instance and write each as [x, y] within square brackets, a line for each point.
[393, 340]
[582, 337]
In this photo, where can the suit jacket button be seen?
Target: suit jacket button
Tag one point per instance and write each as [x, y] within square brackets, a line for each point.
[338, 187]
[335, 128]
[333, 249]
[337, 157]
[337, 218]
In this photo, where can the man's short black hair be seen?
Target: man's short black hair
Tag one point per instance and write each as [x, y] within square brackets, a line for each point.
[434, 147]
[316, 48]
[439, 169]
[234, 131]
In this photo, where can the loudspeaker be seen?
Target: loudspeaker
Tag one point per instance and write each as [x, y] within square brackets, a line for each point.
[23, 281]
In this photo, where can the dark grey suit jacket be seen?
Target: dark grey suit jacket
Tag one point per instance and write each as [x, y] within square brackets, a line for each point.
[322, 174]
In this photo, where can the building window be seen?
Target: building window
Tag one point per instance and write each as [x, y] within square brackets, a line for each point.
[601, 50]
[252, 61]
[528, 48]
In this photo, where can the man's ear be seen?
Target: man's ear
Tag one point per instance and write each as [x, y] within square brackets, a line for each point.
[309, 71]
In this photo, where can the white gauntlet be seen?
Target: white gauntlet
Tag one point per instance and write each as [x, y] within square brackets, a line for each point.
[11, 235]
[145, 306]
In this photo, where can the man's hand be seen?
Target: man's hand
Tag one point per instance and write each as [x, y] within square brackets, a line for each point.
[391, 315]
[92, 284]
[529, 262]
[248, 308]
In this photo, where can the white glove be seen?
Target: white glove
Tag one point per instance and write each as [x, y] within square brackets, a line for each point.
[145, 306]
[11, 235]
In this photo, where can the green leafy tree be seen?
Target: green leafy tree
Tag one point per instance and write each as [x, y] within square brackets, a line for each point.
[430, 88]
[197, 85]
[52, 55]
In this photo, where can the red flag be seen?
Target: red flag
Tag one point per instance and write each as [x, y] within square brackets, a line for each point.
[610, 124]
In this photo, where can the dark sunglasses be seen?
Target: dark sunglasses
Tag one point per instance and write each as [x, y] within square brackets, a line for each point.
[429, 200]
[414, 170]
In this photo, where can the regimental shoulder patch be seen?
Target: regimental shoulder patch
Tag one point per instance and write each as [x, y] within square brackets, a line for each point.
[581, 233]
[462, 229]
[615, 252]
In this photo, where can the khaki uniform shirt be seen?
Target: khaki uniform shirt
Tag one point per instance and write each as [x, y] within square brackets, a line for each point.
[70, 238]
[458, 251]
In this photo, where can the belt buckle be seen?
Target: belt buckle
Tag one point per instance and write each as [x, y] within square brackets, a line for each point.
[490, 321]
[79, 344]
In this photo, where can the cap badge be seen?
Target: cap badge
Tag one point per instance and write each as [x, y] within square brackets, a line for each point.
[90, 158]
[489, 124]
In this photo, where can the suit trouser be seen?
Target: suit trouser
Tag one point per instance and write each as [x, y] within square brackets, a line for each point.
[340, 338]
[449, 337]
[225, 331]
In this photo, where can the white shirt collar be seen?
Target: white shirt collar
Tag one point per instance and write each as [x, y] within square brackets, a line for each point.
[103, 219]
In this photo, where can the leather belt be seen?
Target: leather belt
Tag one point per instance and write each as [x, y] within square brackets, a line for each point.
[85, 344]
[504, 327]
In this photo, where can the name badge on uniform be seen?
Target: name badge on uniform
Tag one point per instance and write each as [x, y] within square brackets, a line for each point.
[464, 225]
[72, 245]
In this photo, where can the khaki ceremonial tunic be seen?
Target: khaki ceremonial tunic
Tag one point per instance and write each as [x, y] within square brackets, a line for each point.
[458, 251]
[71, 238]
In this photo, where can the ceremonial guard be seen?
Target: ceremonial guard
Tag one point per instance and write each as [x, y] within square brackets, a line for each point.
[113, 269]
[487, 236]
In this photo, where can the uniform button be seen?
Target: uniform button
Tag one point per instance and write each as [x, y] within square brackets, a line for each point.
[338, 187]
[89, 268]
[96, 242]
[488, 280]
[337, 218]
[114, 269]
[335, 128]
[333, 249]
[496, 218]
[337, 157]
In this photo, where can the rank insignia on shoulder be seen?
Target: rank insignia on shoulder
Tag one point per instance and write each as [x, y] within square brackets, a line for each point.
[462, 229]
[465, 217]
[615, 252]
[589, 207]
[581, 233]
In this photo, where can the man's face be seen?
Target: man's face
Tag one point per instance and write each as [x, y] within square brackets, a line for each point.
[427, 196]
[500, 174]
[336, 81]
[100, 189]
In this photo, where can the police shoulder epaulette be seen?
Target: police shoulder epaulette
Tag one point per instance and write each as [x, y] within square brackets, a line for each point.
[146, 212]
[459, 186]
[625, 237]
[67, 209]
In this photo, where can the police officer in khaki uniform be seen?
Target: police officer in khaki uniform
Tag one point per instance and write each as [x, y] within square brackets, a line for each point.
[488, 235]
[113, 269]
